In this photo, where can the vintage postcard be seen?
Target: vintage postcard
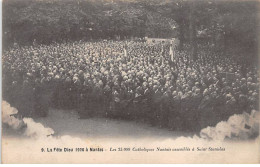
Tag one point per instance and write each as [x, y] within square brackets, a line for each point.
[130, 81]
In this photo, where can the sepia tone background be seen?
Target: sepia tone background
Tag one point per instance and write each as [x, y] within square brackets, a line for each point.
[228, 28]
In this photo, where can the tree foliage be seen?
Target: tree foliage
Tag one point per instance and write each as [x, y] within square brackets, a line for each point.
[55, 20]
[230, 26]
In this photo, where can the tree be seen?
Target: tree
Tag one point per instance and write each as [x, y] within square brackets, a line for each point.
[192, 32]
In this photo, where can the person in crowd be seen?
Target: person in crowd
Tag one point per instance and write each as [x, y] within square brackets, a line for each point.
[99, 79]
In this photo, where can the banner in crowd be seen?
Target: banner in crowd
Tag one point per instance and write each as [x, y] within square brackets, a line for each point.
[171, 52]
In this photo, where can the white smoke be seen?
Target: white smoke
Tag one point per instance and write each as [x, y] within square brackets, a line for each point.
[238, 126]
[32, 129]
[29, 150]
[36, 130]
[8, 118]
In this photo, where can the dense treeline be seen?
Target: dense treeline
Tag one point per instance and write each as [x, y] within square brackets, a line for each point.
[228, 26]
[48, 21]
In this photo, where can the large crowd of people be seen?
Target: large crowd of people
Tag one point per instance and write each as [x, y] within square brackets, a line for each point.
[129, 80]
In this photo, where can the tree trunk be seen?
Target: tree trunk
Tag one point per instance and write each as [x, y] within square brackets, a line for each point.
[181, 35]
[192, 33]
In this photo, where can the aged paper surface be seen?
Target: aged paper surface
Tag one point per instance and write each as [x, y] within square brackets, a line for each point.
[135, 82]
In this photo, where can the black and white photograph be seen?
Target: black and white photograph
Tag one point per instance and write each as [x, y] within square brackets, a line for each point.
[130, 81]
